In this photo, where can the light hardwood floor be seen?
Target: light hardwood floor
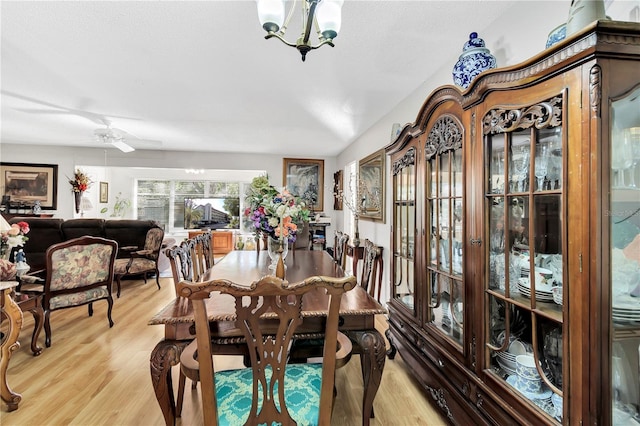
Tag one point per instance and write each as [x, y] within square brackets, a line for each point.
[96, 375]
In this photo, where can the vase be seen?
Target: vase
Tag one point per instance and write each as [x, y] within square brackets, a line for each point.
[4, 255]
[584, 12]
[475, 58]
[278, 250]
[356, 233]
[78, 198]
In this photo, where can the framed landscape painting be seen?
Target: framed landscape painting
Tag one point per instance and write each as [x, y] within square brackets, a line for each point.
[25, 184]
[371, 186]
[305, 179]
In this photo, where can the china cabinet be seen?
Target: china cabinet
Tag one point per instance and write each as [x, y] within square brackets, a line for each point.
[515, 278]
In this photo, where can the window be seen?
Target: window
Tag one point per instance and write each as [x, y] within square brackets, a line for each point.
[163, 200]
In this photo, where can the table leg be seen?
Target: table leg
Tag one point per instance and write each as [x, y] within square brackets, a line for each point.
[10, 344]
[165, 355]
[371, 346]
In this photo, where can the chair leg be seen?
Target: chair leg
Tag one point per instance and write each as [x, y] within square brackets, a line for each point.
[158, 278]
[181, 383]
[110, 302]
[47, 328]
[90, 309]
[118, 285]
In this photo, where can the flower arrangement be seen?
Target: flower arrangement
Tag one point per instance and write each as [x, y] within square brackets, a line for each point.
[14, 236]
[274, 212]
[80, 182]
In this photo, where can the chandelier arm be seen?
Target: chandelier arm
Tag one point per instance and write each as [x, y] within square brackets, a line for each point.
[279, 37]
[325, 41]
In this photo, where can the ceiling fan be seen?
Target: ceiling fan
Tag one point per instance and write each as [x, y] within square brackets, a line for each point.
[114, 137]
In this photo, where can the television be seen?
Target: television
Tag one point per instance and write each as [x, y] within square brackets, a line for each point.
[212, 213]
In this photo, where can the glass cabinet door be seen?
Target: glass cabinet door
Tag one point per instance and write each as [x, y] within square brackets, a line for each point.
[444, 207]
[524, 252]
[625, 259]
[404, 227]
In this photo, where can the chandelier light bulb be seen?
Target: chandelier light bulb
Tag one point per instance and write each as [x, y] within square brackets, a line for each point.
[271, 14]
[329, 17]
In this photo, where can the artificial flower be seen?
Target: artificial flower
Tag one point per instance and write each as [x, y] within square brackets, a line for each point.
[15, 236]
[273, 212]
[80, 182]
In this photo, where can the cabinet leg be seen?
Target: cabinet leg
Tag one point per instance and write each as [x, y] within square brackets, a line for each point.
[391, 352]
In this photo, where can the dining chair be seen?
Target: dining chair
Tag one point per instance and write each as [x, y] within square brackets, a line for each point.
[79, 272]
[204, 252]
[340, 242]
[371, 277]
[270, 390]
[182, 269]
[142, 262]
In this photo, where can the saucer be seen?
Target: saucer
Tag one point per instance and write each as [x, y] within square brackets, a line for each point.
[545, 393]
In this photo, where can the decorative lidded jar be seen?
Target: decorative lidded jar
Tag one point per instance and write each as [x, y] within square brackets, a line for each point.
[475, 59]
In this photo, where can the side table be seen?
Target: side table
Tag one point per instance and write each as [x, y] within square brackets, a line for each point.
[12, 311]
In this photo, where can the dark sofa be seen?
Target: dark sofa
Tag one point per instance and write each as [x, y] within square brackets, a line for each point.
[45, 232]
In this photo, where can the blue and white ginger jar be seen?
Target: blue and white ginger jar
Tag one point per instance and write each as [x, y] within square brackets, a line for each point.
[475, 59]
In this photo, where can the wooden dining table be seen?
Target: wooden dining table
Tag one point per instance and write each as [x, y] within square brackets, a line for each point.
[357, 321]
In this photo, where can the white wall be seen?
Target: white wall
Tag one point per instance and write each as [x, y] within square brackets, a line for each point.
[139, 163]
[503, 38]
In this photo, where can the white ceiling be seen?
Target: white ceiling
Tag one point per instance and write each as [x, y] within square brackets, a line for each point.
[199, 76]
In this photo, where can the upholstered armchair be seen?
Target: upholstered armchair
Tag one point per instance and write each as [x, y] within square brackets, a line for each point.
[141, 262]
[79, 272]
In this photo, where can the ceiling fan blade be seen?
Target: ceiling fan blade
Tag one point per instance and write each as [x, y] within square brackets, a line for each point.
[122, 146]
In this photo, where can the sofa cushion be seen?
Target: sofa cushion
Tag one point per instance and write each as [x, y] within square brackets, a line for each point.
[128, 232]
[76, 228]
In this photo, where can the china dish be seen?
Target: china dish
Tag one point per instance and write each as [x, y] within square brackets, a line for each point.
[625, 308]
[544, 394]
[543, 294]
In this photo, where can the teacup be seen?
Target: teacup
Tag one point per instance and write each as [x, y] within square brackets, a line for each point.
[526, 367]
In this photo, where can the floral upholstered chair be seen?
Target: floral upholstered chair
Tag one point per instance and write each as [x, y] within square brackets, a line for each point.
[79, 272]
[142, 262]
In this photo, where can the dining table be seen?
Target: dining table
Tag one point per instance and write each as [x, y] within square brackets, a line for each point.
[357, 321]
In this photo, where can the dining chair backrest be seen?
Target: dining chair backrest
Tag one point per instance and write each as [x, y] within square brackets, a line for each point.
[203, 252]
[340, 248]
[371, 278]
[268, 386]
[181, 261]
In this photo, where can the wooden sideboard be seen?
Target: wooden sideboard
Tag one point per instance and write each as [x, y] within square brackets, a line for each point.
[221, 241]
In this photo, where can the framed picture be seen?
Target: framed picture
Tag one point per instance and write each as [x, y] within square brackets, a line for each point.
[104, 192]
[305, 179]
[371, 186]
[337, 190]
[26, 183]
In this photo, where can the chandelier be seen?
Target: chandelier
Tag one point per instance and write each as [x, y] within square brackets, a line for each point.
[326, 14]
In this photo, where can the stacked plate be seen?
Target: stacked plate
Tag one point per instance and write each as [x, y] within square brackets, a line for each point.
[543, 293]
[507, 361]
[626, 308]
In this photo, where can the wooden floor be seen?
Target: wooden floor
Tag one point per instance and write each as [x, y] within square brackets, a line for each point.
[96, 375]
